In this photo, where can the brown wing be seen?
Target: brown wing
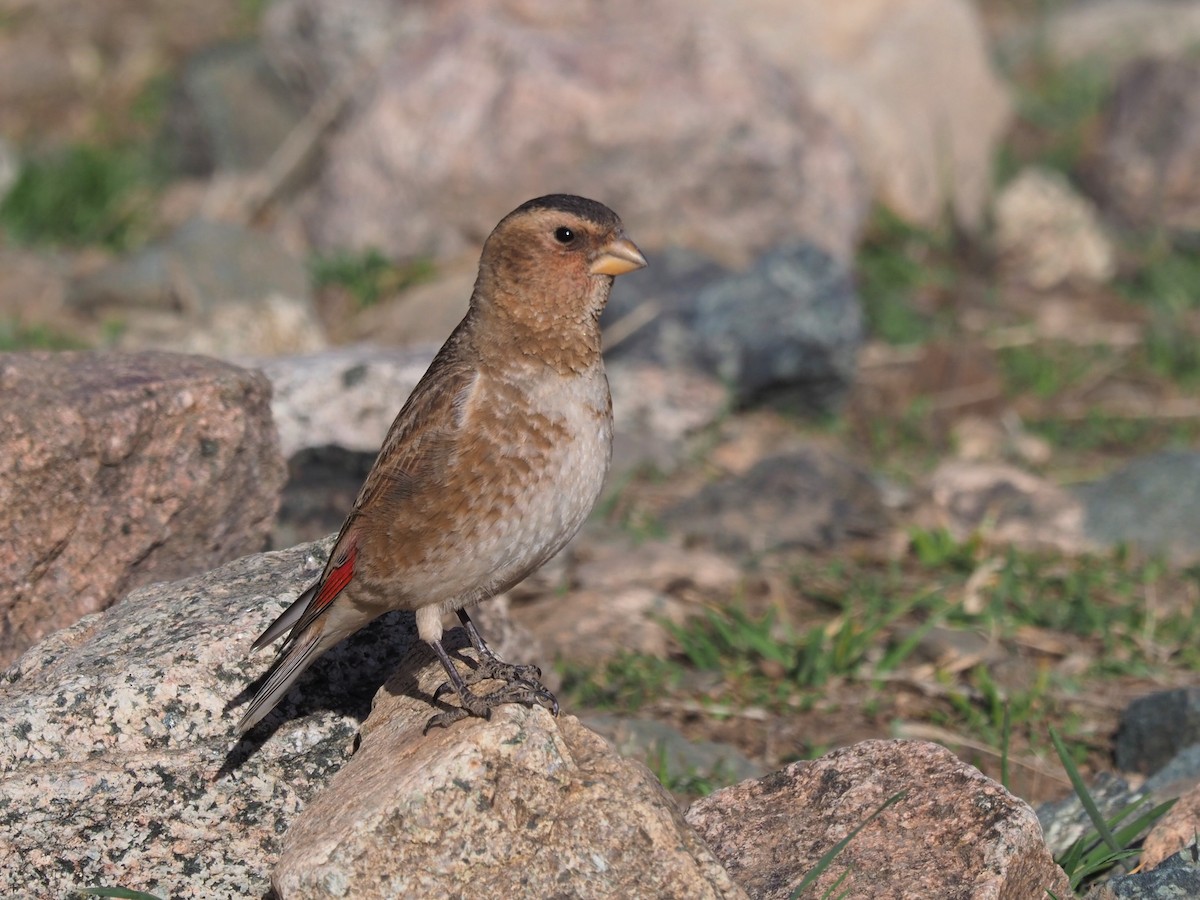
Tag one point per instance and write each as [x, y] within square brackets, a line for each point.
[415, 452]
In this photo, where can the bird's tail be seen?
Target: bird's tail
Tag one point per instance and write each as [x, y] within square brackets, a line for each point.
[297, 656]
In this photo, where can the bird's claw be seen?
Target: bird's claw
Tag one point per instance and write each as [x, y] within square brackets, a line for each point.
[527, 693]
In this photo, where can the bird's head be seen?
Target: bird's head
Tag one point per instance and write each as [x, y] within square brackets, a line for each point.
[551, 262]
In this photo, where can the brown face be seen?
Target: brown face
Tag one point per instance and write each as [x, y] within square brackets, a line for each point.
[554, 260]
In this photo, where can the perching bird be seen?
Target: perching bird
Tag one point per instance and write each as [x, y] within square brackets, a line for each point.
[492, 465]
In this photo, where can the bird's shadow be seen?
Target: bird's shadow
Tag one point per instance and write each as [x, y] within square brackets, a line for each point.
[345, 679]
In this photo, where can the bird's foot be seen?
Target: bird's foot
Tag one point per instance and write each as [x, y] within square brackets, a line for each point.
[528, 692]
[492, 667]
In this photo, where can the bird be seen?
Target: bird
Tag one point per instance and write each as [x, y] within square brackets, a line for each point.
[491, 466]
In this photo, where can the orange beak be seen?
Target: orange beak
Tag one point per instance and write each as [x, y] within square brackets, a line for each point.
[618, 256]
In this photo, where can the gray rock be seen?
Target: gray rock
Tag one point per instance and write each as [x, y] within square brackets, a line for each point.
[788, 328]
[118, 763]
[1065, 821]
[229, 112]
[955, 833]
[1152, 503]
[344, 397]
[810, 498]
[1146, 171]
[1156, 727]
[473, 108]
[1178, 878]
[211, 288]
[121, 469]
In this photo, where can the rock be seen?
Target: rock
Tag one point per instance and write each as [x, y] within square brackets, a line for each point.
[1152, 503]
[229, 112]
[118, 763]
[1048, 236]
[473, 107]
[122, 469]
[211, 288]
[1146, 169]
[343, 397]
[1178, 877]
[954, 834]
[911, 84]
[1156, 727]
[1065, 821]
[656, 411]
[1118, 30]
[787, 328]
[1173, 833]
[810, 498]
[521, 806]
[1007, 505]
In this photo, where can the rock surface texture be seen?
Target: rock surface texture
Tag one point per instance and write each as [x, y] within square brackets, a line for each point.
[521, 806]
[122, 469]
[955, 834]
[467, 107]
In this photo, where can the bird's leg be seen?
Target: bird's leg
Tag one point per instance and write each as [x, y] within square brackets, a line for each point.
[491, 665]
[515, 689]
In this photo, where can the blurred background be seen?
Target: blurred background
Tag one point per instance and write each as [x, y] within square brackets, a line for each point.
[907, 397]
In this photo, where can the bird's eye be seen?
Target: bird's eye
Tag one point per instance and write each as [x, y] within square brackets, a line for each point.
[564, 235]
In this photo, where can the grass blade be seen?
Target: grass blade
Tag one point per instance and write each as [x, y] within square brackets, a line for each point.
[824, 862]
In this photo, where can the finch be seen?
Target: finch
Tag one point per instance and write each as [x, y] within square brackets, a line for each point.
[492, 464]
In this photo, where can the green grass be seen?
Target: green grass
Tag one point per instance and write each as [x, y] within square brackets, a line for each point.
[15, 335]
[1058, 106]
[626, 682]
[899, 265]
[79, 196]
[1047, 369]
[1114, 434]
[370, 276]
[1110, 842]
[688, 781]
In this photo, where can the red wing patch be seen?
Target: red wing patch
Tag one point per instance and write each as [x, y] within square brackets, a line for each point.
[335, 582]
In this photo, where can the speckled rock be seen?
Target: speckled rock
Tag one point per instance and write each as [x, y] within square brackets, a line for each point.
[121, 469]
[955, 835]
[1047, 235]
[523, 806]
[118, 763]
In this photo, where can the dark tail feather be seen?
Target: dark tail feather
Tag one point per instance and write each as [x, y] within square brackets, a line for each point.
[299, 656]
[287, 618]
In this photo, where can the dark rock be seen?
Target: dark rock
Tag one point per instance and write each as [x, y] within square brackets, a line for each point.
[1176, 879]
[812, 498]
[1152, 503]
[789, 328]
[1155, 728]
